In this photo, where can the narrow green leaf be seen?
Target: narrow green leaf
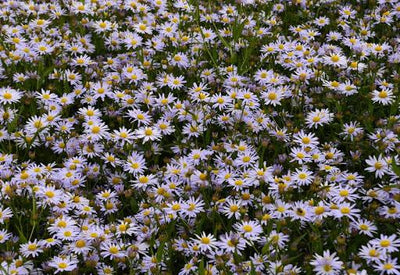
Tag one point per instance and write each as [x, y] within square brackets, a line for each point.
[160, 251]
[395, 167]
[202, 270]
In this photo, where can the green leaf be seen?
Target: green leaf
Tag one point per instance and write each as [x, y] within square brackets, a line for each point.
[395, 167]
[252, 270]
[202, 270]
[265, 249]
[160, 251]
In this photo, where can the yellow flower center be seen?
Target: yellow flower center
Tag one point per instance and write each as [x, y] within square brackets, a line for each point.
[378, 165]
[143, 179]
[7, 95]
[319, 210]
[302, 176]
[388, 266]
[383, 94]
[364, 227]
[32, 247]
[62, 265]
[113, 250]
[385, 243]
[247, 228]
[80, 243]
[345, 210]
[335, 58]
[205, 240]
[49, 194]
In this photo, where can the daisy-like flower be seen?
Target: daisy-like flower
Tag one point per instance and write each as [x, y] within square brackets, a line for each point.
[124, 135]
[303, 177]
[384, 96]
[5, 214]
[165, 127]
[189, 268]
[176, 82]
[50, 194]
[272, 97]
[62, 264]
[102, 26]
[9, 95]
[145, 181]
[80, 246]
[246, 158]
[346, 210]
[192, 207]
[277, 239]
[4, 236]
[249, 230]
[140, 117]
[262, 76]
[387, 243]
[110, 206]
[340, 194]
[72, 77]
[336, 59]
[205, 242]
[232, 208]
[82, 61]
[43, 48]
[106, 195]
[180, 60]
[31, 249]
[327, 264]
[148, 134]
[371, 253]
[232, 243]
[388, 266]
[125, 228]
[300, 155]
[318, 117]
[67, 233]
[320, 211]
[377, 165]
[135, 164]
[390, 211]
[306, 140]
[104, 269]
[321, 21]
[351, 130]
[364, 227]
[112, 250]
[301, 211]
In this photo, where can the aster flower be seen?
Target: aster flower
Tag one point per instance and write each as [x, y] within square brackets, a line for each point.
[327, 263]
[63, 264]
[148, 134]
[31, 249]
[249, 230]
[384, 96]
[112, 250]
[387, 243]
[205, 242]
[377, 165]
[318, 117]
[9, 95]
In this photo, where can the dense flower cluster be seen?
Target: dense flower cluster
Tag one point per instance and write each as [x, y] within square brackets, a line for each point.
[199, 137]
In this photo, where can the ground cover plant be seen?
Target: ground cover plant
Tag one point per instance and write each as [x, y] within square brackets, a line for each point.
[199, 137]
